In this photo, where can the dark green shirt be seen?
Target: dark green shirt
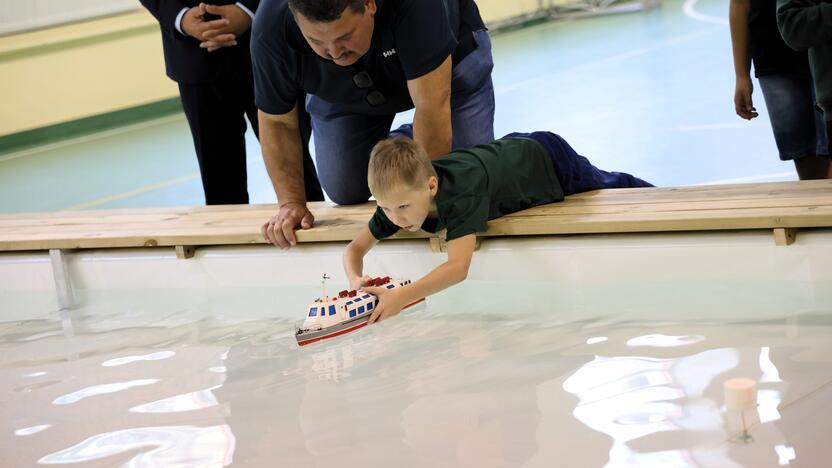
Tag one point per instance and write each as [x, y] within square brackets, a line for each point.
[482, 183]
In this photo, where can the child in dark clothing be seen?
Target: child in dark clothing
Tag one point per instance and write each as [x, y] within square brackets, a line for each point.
[460, 192]
[785, 79]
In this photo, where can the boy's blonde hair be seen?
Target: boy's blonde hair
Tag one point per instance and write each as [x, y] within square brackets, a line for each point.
[397, 163]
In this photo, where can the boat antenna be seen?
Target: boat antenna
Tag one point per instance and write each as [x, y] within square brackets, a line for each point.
[323, 286]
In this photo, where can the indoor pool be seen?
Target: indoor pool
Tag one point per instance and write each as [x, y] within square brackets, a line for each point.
[586, 351]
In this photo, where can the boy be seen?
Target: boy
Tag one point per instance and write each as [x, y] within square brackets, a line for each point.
[460, 192]
[786, 82]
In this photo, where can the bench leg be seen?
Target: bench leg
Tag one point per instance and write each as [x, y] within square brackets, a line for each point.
[185, 251]
[785, 236]
[63, 284]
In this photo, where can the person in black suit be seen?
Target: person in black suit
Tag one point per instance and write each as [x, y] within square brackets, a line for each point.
[207, 53]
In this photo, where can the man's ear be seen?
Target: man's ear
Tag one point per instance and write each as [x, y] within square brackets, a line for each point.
[370, 6]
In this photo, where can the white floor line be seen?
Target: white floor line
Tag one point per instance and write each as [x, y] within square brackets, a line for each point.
[689, 9]
[91, 137]
[779, 176]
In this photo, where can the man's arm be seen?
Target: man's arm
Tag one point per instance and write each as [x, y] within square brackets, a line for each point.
[738, 19]
[165, 11]
[431, 95]
[804, 23]
[453, 271]
[281, 146]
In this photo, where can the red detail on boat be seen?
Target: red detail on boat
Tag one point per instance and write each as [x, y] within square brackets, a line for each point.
[343, 293]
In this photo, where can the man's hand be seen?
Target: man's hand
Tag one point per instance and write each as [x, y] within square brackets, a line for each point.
[280, 229]
[194, 24]
[390, 303]
[236, 24]
[743, 104]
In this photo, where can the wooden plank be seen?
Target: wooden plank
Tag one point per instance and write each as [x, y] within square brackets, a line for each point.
[750, 206]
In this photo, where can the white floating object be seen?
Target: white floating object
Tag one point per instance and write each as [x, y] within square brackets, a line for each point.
[740, 394]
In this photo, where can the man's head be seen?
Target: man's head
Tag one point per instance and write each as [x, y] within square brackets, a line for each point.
[403, 181]
[338, 30]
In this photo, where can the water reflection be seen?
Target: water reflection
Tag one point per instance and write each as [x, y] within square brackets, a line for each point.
[664, 341]
[159, 355]
[631, 398]
[187, 402]
[32, 430]
[103, 389]
[162, 446]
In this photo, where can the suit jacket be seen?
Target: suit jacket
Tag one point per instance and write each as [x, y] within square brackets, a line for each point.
[185, 62]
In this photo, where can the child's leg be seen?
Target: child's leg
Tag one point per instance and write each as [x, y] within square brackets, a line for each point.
[576, 173]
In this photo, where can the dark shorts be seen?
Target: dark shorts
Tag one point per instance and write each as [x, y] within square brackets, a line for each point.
[575, 173]
[799, 128]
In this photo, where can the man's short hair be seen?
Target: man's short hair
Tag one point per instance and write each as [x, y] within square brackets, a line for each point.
[325, 11]
[397, 163]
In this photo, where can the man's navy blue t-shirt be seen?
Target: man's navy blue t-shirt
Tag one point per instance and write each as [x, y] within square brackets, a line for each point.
[410, 39]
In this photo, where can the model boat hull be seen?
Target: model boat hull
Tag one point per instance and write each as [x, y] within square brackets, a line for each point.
[306, 337]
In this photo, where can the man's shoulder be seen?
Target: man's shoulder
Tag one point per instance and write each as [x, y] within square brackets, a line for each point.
[271, 22]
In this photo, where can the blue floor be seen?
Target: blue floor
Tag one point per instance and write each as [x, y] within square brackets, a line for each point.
[649, 93]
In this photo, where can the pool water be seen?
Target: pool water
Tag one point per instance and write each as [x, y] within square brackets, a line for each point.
[488, 374]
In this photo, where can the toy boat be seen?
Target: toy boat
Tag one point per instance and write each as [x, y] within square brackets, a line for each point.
[329, 317]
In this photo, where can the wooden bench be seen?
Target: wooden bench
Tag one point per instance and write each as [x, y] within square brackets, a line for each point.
[780, 207]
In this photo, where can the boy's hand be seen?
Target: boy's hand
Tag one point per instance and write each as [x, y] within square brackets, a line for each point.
[359, 282]
[390, 303]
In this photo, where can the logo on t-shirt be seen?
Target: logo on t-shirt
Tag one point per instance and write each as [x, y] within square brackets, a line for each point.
[389, 53]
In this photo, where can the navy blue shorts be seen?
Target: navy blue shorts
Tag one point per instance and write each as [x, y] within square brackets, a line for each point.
[799, 129]
[575, 173]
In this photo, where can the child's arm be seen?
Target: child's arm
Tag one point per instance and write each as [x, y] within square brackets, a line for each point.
[453, 271]
[738, 19]
[354, 257]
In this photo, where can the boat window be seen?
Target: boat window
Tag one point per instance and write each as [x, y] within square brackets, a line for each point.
[349, 302]
[361, 310]
[370, 306]
[352, 313]
[390, 286]
[332, 310]
[313, 311]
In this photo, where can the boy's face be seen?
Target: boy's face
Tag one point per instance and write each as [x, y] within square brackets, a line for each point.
[408, 208]
[344, 40]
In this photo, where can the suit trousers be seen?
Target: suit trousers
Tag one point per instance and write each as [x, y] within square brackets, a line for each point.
[216, 113]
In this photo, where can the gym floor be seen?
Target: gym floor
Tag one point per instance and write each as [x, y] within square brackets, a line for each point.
[650, 93]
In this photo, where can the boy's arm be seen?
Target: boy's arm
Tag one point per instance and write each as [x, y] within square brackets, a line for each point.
[453, 271]
[738, 19]
[804, 23]
[354, 256]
